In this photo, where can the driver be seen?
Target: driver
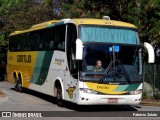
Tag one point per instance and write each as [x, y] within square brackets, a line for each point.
[98, 66]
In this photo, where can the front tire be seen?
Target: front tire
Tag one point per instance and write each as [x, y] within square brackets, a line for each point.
[59, 96]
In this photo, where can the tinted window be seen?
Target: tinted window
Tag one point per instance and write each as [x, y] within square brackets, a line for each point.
[45, 39]
[71, 48]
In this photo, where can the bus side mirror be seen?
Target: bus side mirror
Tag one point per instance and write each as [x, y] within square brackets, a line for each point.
[79, 49]
[151, 55]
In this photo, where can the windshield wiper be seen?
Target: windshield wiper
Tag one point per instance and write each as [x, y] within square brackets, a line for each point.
[118, 73]
[106, 72]
[125, 74]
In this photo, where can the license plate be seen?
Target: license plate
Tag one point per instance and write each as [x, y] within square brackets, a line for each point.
[113, 100]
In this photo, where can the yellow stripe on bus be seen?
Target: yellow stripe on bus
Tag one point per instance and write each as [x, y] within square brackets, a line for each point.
[104, 88]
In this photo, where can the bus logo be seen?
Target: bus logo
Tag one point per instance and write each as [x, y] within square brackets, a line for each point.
[70, 91]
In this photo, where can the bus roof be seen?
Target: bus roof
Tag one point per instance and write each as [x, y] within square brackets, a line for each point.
[78, 21]
[103, 22]
[35, 27]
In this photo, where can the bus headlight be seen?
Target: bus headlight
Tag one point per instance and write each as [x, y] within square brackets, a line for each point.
[86, 90]
[136, 92]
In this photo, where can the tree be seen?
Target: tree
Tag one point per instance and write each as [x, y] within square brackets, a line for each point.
[145, 14]
[27, 14]
[84, 8]
[3, 49]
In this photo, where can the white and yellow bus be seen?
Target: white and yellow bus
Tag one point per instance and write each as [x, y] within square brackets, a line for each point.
[57, 58]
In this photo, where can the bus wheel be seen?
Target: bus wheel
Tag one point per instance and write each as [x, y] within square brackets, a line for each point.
[20, 88]
[59, 96]
[16, 84]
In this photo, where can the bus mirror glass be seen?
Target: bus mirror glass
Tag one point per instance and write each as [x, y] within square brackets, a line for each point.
[79, 49]
[150, 50]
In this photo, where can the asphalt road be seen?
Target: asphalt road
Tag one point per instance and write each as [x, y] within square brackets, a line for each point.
[33, 101]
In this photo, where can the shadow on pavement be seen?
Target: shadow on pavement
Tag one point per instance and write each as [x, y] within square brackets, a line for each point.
[99, 108]
[84, 108]
[45, 97]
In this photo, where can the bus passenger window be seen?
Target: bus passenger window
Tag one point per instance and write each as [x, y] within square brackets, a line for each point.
[40, 46]
[51, 45]
[61, 45]
[59, 37]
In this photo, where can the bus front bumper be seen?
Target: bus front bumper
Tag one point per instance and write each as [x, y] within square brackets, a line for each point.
[93, 99]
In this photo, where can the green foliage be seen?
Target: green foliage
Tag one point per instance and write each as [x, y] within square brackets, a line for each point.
[6, 5]
[157, 96]
[144, 95]
[150, 20]
[84, 8]
[2, 49]
[3, 46]
[27, 14]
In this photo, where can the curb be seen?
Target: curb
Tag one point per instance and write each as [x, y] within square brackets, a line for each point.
[150, 103]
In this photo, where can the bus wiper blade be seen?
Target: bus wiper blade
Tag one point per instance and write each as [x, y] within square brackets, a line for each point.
[118, 73]
[106, 72]
[125, 74]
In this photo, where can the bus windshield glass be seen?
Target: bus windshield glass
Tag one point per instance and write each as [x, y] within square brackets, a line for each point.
[105, 63]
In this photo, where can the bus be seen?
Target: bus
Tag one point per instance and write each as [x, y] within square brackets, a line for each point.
[57, 58]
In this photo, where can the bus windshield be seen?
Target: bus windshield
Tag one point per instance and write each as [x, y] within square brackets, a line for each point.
[120, 63]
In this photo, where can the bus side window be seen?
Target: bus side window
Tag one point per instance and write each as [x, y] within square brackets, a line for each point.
[11, 43]
[33, 41]
[51, 44]
[49, 37]
[17, 43]
[71, 48]
[29, 41]
[40, 46]
[59, 37]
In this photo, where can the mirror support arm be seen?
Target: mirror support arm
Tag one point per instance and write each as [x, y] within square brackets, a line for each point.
[151, 54]
[79, 49]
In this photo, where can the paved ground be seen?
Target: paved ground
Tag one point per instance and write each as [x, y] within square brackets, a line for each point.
[33, 101]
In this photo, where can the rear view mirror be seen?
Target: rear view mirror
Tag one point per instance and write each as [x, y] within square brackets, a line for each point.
[151, 55]
[79, 49]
